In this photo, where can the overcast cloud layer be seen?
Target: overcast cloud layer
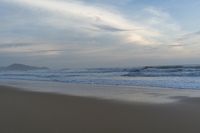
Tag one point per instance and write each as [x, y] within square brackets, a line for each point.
[99, 33]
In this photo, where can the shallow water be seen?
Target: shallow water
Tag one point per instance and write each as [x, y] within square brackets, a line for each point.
[110, 92]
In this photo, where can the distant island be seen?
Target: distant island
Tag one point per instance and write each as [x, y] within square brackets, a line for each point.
[21, 67]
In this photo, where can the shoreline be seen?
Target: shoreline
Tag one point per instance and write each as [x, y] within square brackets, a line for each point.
[25, 111]
[150, 95]
[90, 84]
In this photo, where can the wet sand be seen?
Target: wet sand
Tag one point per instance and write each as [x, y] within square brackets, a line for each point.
[35, 112]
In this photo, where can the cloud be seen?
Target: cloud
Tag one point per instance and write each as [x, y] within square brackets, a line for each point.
[112, 28]
[187, 39]
[10, 45]
[91, 16]
[87, 29]
[27, 48]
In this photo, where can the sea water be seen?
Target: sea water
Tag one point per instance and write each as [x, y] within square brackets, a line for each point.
[179, 77]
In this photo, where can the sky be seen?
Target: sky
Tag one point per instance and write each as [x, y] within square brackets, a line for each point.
[99, 33]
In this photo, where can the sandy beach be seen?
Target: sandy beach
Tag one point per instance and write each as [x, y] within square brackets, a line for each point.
[35, 112]
[99, 66]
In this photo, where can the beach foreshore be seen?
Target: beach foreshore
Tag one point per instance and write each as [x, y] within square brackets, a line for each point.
[39, 112]
[107, 92]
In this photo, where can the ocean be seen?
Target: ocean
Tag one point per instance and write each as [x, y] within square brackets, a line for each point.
[179, 77]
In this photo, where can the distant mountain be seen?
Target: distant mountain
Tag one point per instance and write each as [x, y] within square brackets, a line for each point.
[21, 67]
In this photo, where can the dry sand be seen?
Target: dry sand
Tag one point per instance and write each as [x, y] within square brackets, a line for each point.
[34, 112]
